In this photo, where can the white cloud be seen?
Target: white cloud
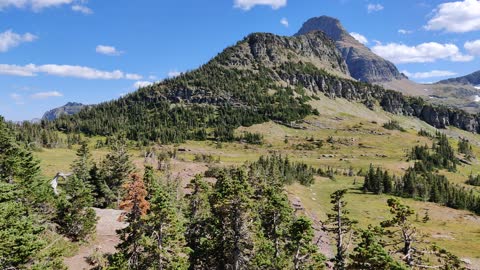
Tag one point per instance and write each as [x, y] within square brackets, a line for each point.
[404, 32]
[473, 47]
[249, 4]
[422, 53]
[374, 7]
[108, 50]
[44, 95]
[17, 98]
[284, 22]
[140, 84]
[429, 74]
[10, 39]
[13, 3]
[82, 9]
[66, 71]
[35, 5]
[359, 37]
[173, 73]
[458, 17]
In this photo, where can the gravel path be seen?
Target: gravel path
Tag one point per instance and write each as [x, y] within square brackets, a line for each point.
[105, 239]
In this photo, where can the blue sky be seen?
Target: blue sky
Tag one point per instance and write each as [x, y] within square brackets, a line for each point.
[55, 51]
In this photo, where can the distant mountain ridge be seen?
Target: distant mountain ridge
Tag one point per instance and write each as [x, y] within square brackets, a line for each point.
[363, 64]
[70, 108]
[471, 79]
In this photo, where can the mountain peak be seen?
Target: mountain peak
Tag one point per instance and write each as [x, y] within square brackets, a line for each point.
[67, 109]
[329, 25]
[363, 64]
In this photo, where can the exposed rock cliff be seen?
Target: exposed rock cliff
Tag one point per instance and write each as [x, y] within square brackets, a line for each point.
[68, 109]
[363, 64]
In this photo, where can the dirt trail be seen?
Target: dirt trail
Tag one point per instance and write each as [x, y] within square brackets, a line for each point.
[105, 242]
[106, 237]
[322, 239]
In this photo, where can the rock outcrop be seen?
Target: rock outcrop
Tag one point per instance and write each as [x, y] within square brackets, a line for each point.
[68, 109]
[363, 64]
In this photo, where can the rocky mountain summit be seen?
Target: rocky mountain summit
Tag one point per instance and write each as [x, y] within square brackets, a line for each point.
[363, 64]
[70, 108]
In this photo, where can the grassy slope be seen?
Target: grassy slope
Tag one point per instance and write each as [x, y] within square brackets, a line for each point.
[359, 141]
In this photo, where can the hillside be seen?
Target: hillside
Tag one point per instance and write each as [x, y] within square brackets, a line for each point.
[263, 77]
[470, 79]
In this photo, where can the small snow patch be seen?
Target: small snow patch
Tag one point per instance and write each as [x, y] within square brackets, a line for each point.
[476, 98]
[477, 87]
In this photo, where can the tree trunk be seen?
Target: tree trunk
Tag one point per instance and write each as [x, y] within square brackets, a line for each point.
[340, 256]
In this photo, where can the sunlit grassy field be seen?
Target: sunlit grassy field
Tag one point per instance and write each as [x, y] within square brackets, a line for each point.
[350, 140]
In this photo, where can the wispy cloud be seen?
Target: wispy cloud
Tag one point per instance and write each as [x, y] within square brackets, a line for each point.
[429, 74]
[66, 71]
[35, 5]
[17, 98]
[374, 8]
[359, 37]
[458, 17]
[284, 22]
[10, 39]
[140, 84]
[404, 32]
[173, 73]
[39, 5]
[82, 9]
[249, 4]
[422, 53]
[45, 95]
[473, 47]
[108, 50]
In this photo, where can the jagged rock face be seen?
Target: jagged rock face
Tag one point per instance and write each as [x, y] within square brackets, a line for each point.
[68, 109]
[391, 101]
[271, 50]
[363, 64]
[471, 79]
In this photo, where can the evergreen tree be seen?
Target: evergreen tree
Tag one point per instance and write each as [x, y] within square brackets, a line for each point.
[465, 148]
[402, 232]
[276, 217]
[200, 230]
[165, 247]
[114, 171]
[149, 180]
[19, 231]
[26, 203]
[75, 217]
[82, 165]
[304, 253]
[341, 226]
[236, 228]
[369, 254]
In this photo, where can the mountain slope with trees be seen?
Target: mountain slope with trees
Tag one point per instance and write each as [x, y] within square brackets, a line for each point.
[263, 77]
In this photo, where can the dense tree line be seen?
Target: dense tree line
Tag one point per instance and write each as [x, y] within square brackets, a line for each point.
[242, 221]
[30, 210]
[422, 182]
